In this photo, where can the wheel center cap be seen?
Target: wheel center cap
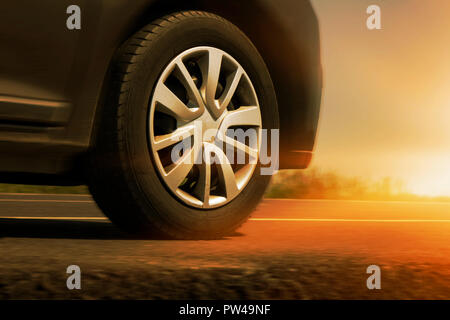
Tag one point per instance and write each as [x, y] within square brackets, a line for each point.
[210, 126]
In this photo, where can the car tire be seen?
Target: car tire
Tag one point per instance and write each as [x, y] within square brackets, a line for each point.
[123, 173]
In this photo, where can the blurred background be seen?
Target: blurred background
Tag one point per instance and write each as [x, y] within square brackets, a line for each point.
[384, 131]
[385, 121]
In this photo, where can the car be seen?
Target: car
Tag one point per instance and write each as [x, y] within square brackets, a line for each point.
[110, 100]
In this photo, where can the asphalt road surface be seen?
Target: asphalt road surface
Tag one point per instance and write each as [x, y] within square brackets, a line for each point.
[290, 249]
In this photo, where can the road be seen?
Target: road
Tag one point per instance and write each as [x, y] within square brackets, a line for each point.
[290, 249]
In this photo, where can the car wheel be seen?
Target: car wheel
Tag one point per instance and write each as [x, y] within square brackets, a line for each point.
[161, 163]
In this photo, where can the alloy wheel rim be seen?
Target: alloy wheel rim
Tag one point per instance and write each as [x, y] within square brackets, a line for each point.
[201, 96]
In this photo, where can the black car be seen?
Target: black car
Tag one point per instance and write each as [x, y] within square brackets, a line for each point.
[107, 92]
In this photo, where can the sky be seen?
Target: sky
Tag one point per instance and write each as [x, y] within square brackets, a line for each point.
[386, 98]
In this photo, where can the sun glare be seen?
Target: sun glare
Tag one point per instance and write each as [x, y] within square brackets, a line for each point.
[434, 184]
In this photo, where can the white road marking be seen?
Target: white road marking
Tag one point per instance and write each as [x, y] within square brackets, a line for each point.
[431, 202]
[55, 218]
[252, 219]
[46, 194]
[49, 201]
[264, 202]
[348, 220]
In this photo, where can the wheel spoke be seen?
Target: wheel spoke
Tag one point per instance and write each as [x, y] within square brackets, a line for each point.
[210, 67]
[184, 76]
[232, 84]
[242, 147]
[172, 105]
[227, 178]
[180, 170]
[177, 136]
[244, 116]
[203, 187]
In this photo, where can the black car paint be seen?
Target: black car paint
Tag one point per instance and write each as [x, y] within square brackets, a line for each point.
[52, 79]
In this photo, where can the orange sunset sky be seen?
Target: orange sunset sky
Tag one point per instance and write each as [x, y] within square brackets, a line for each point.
[386, 103]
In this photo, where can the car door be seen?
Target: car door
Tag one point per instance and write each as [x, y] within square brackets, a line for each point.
[37, 55]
